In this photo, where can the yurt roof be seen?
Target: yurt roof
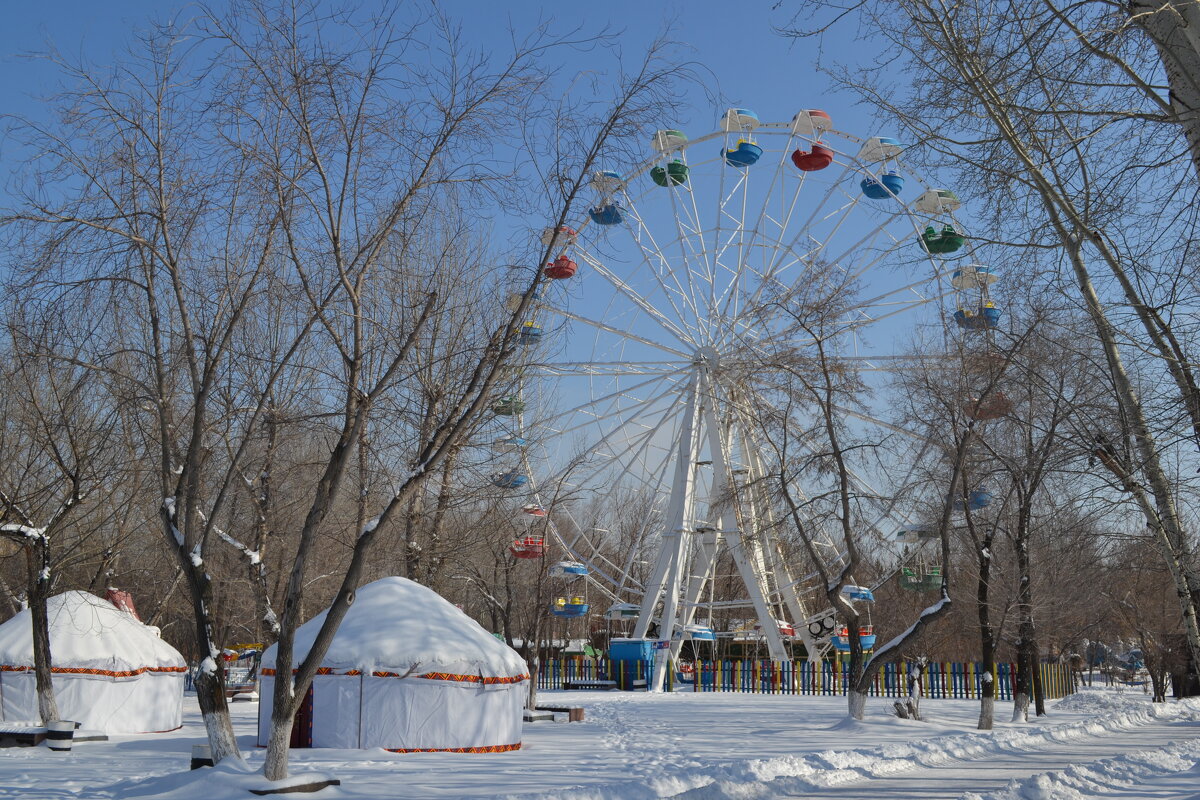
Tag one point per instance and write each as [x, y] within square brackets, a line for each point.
[395, 625]
[88, 632]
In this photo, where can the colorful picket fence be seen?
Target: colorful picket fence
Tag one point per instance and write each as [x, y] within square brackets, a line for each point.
[941, 680]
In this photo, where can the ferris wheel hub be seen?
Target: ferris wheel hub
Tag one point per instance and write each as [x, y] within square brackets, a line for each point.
[708, 358]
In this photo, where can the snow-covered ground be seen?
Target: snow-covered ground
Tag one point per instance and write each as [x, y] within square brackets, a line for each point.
[698, 747]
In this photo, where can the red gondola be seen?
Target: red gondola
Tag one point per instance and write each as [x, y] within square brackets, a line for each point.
[993, 406]
[819, 157]
[561, 268]
[529, 547]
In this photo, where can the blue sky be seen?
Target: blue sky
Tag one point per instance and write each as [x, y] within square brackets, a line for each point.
[744, 59]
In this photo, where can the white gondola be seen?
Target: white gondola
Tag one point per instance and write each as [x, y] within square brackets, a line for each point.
[811, 122]
[879, 148]
[667, 141]
[937, 201]
[568, 569]
[606, 181]
[562, 236]
[699, 633]
[739, 119]
[619, 611]
[973, 276]
[916, 535]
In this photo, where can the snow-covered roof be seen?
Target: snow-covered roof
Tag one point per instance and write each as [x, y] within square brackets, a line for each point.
[88, 632]
[401, 627]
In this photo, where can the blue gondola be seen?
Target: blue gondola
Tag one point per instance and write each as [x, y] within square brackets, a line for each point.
[976, 499]
[746, 154]
[568, 569]
[531, 333]
[858, 593]
[700, 633]
[509, 443]
[885, 186]
[986, 318]
[608, 214]
[569, 607]
[866, 637]
[509, 480]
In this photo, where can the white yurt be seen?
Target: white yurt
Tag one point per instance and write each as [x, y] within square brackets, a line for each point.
[111, 672]
[408, 672]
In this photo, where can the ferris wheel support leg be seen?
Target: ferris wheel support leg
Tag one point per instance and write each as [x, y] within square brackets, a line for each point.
[706, 559]
[668, 570]
[749, 567]
[783, 577]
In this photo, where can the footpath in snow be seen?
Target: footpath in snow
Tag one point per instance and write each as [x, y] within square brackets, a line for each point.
[691, 747]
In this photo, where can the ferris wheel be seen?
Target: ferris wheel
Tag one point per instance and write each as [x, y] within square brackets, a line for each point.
[653, 343]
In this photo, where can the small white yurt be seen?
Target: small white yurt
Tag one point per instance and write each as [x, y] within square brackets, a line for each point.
[111, 672]
[408, 672]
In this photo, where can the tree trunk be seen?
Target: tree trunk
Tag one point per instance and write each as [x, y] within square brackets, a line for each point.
[1035, 667]
[38, 560]
[987, 641]
[1174, 27]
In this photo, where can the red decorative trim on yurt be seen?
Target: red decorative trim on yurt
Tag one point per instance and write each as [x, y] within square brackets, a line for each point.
[432, 676]
[86, 671]
[491, 748]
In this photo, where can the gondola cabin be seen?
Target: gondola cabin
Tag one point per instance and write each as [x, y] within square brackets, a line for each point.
[607, 214]
[811, 122]
[620, 611]
[916, 535]
[921, 579]
[568, 569]
[976, 499]
[858, 593]
[884, 187]
[866, 638]
[993, 406]
[509, 444]
[739, 119]
[569, 607]
[508, 406]
[943, 242]
[746, 154]
[533, 510]
[529, 547]
[699, 633]
[561, 268]
[562, 236]
[879, 148]
[986, 318]
[973, 276]
[509, 480]
[818, 158]
[785, 628]
[937, 201]
[672, 174]
[606, 182]
[531, 333]
[668, 140]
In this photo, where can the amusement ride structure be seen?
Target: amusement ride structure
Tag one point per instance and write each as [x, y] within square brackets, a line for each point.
[647, 343]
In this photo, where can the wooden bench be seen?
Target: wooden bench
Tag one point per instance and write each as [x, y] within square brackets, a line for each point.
[590, 683]
[21, 735]
[574, 714]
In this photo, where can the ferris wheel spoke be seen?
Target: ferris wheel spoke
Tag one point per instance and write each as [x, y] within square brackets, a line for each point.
[561, 369]
[629, 418]
[658, 265]
[587, 408]
[633, 337]
[635, 298]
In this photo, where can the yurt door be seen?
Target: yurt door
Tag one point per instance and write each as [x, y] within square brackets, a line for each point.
[302, 724]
